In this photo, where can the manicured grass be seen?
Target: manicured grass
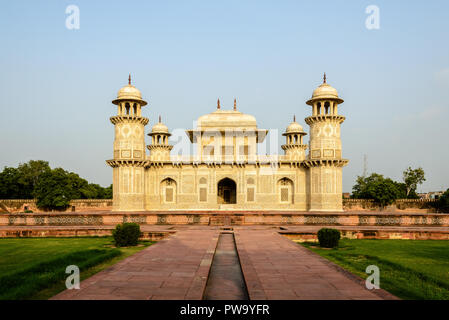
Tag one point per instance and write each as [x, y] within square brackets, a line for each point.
[409, 269]
[34, 268]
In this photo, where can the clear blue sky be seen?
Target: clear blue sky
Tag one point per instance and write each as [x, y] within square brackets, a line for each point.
[57, 84]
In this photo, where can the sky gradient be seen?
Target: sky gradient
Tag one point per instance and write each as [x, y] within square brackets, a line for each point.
[57, 84]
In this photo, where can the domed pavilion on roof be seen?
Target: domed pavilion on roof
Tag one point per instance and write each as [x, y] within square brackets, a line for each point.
[226, 173]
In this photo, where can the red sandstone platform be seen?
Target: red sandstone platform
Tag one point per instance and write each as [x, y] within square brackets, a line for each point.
[178, 267]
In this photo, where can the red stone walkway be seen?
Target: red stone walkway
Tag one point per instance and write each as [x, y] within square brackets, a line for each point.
[173, 268]
[178, 268]
[277, 268]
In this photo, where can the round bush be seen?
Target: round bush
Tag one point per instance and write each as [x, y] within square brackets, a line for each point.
[126, 234]
[328, 238]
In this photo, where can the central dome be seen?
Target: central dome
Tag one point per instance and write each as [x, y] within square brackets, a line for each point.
[226, 119]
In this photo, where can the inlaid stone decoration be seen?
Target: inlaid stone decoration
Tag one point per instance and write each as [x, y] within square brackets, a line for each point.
[226, 172]
[246, 218]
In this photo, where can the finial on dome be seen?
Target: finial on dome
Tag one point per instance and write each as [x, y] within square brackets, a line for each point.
[218, 104]
[129, 79]
[294, 118]
[235, 104]
[160, 119]
[324, 78]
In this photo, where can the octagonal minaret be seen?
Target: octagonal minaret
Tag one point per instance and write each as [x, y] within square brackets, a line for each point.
[294, 146]
[325, 159]
[159, 147]
[129, 150]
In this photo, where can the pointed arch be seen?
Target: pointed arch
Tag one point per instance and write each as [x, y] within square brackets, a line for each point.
[285, 188]
[227, 191]
[168, 190]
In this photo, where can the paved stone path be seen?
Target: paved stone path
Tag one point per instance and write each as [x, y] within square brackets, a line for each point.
[277, 268]
[178, 267]
[174, 268]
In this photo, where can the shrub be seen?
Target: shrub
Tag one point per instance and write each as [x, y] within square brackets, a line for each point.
[126, 234]
[28, 211]
[328, 238]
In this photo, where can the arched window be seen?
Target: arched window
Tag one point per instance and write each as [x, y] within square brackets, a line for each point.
[203, 189]
[168, 191]
[285, 189]
[250, 190]
[326, 107]
[127, 108]
[319, 108]
[134, 109]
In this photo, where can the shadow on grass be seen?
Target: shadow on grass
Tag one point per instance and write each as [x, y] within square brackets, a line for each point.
[396, 278]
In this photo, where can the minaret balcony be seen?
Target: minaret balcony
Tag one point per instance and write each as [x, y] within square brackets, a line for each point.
[324, 117]
[159, 146]
[290, 146]
[129, 118]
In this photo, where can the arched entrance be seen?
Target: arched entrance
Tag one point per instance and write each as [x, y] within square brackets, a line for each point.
[227, 191]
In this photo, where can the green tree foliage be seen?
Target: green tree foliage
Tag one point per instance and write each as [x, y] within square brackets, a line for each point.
[53, 188]
[30, 173]
[443, 202]
[20, 182]
[412, 178]
[382, 190]
[9, 184]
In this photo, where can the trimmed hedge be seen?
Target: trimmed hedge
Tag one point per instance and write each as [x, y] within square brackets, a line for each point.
[328, 238]
[126, 234]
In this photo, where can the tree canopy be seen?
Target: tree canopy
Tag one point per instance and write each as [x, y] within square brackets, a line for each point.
[443, 202]
[384, 190]
[53, 188]
[412, 178]
[380, 189]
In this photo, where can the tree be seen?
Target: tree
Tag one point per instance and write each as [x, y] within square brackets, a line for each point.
[443, 202]
[412, 178]
[9, 185]
[29, 175]
[382, 190]
[53, 191]
[34, 179]
[107, 193]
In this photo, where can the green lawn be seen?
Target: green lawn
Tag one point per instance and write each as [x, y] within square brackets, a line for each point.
[34, 268]
[409, 269]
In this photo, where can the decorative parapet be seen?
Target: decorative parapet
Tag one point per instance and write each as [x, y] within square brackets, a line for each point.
[416, 200]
